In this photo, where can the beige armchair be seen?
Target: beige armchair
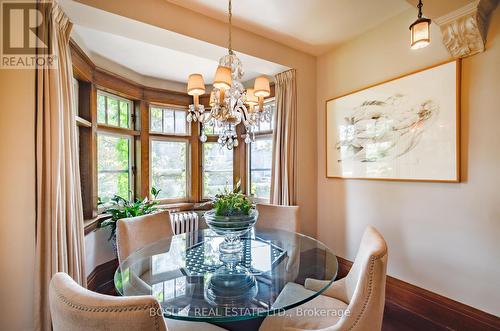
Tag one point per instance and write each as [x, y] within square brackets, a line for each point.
[278, 217]
[136, 232]
[77, 309]
[354, 303]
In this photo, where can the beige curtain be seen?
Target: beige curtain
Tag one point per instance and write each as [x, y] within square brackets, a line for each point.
[59, 220]
[283, 182]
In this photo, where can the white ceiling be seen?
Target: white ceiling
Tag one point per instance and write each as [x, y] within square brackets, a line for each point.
[312, 26]
[151, 51]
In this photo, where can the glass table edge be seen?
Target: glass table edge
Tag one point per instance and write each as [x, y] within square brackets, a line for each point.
[222, 319]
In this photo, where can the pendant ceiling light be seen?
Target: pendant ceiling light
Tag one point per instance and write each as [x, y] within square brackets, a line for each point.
[420, 30]
[230, 104]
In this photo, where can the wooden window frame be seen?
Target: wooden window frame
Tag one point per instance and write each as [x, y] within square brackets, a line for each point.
[131, 117]
[174, 108]
[202, 168]
[265, 135]
[189, 171]
[131, 167]
[258, 135]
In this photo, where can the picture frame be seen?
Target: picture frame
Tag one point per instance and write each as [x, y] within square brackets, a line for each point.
[403, 129]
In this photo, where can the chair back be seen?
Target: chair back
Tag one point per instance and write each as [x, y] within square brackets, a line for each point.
[136, 232]
[77, 309]
[278, 217]
[365, 284]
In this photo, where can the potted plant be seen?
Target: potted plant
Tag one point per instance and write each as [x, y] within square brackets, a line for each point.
[123, 208]
[232, 216]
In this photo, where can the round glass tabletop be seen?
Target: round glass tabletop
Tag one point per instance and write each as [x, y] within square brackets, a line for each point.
[185, 273]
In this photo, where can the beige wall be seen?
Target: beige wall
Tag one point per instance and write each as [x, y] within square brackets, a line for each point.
[165, 15]
[17, 198]
[442, 237]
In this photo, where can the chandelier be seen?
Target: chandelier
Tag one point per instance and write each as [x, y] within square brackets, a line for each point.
[230, 104]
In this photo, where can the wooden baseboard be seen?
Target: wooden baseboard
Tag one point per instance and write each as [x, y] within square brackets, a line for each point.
[101, 279]
[430, 306]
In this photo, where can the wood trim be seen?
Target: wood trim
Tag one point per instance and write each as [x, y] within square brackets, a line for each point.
[83, 122]
[93, 224]
[101, 279]
[430, 306]
[457, 116]
[118, 85]
[195, 147]
[83, 67]
[154, 95]
[142, 176]
[240, 162]
[117, 130]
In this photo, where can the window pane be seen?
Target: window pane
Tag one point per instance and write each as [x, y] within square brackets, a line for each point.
[112, 111]
[113, 166]
[169, 168]
[208, 129]
[156, 119]
[168, 121]
[217, 169]
[260, 167]
[180, 122]
[124, 114]
[101, 108]
[265, 126]
[212, 129]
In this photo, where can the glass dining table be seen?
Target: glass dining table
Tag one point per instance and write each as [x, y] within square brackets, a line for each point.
[185, 273]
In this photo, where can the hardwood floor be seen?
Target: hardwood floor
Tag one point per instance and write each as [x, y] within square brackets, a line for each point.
[397, 318]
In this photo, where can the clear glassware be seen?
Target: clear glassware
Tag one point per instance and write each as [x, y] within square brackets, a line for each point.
[231, 228]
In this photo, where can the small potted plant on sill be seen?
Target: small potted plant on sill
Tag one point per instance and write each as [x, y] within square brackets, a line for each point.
[123, 208]
[232, 216]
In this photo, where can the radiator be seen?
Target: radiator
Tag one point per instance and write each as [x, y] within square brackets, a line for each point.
[184, 222]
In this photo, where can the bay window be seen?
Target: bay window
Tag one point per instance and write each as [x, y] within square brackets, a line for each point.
[127, 146]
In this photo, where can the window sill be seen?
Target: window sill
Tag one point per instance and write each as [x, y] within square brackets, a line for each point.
[184, 206]
[93, 224]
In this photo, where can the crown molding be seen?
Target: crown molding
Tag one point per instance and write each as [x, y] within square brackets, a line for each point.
[464, 30]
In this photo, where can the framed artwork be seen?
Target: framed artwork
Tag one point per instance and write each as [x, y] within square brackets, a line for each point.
[403, 129]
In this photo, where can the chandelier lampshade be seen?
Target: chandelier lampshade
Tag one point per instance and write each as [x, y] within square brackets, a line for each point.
[252, 99]
[261, 87]
[420, 30]
[196, 86]
[223, 78]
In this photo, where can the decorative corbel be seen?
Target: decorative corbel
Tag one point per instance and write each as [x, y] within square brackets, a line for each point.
[464, 30]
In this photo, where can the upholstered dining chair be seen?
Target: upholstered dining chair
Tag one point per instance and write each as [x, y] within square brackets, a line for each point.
[136, 232]
[355, 302]
[75, 308]
[284, 218]
[278, 217]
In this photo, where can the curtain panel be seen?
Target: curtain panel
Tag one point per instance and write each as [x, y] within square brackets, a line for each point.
[283, 180]
[59, 220]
